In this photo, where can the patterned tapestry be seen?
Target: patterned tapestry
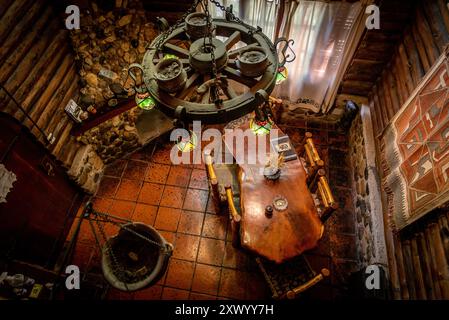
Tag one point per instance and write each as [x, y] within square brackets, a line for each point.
[415, 150]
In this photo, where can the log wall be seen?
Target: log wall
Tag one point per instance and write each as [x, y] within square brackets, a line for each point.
[37, 69]
[418, 256]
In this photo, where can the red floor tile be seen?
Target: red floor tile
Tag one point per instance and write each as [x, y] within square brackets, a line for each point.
[211, 251]
[180, 274]
[186, 247]
[151, 193]
[179, 176]
[101, 204]
[167, 219]
[110, 230]
[234, 258]
[215, 226]
[232, 283]
[145, 213]
[135, 170]
[196, 200]
[157, 173]
[206, 279]
[151, 293]
[173, 197]
[198, 180]
[168, 236]
[128, 190]
[162, 154]
[85, 234]
[174, 294]
[121, 208]
[108, 187]
[82, 255]
[211, 205]
[257, 287]
[115, 169]
[201, 296]
[191, 222]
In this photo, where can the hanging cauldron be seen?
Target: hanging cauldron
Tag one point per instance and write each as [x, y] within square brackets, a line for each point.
[131, 262]
[253, 62]
[170, 75]
[196, 25]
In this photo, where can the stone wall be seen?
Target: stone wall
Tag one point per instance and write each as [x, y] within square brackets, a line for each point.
[366, 192]
[115, 137]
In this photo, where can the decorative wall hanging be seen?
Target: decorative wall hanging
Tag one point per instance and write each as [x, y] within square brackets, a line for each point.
[7, 178]
[415, 150]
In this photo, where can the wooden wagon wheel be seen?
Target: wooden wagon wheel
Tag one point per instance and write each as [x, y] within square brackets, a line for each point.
[195, 95]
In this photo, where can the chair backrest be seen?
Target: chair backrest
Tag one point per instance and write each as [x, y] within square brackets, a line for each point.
[312, 159]
[320, 187]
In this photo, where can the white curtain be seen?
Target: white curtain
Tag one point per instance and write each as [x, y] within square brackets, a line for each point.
[320, 31]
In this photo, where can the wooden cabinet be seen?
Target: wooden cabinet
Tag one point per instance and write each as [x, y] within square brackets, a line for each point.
[42, 204]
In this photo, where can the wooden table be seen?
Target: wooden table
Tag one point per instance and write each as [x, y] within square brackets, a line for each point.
[287, 233]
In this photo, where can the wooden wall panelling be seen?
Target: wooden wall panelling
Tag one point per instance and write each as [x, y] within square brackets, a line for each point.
[433, 263]
[416, 67]
[4, 5]
[401, 268]
[420, 48]
[408, 263]
[431, 46]
[59, 70]
[21, 26]
[435, 18]
[14, 13]
[406, 68]
[10, 61]
[417, 268]
[399, 78]
[48, 116]
[440, 259]
[391, 85]
[426, 266]
[442, 6]
[39, 75]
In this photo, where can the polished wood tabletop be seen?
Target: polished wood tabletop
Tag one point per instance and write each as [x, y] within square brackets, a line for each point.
[286, 233]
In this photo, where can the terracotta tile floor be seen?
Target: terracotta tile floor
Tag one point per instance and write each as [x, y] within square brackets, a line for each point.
[176, 201]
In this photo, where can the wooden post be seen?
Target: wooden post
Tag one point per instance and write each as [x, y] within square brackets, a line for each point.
[440, 259]
[234, 217]
[426, 266]
[404, 65]
[420, 288]
[433, 263]
[401, 268]
[408, 263]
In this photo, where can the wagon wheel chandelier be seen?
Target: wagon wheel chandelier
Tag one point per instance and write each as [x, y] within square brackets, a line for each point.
[192, 75]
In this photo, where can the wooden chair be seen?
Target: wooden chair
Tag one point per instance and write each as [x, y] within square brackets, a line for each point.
[322, 194]
[223, 182]
[289, 279]
[310, 158]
